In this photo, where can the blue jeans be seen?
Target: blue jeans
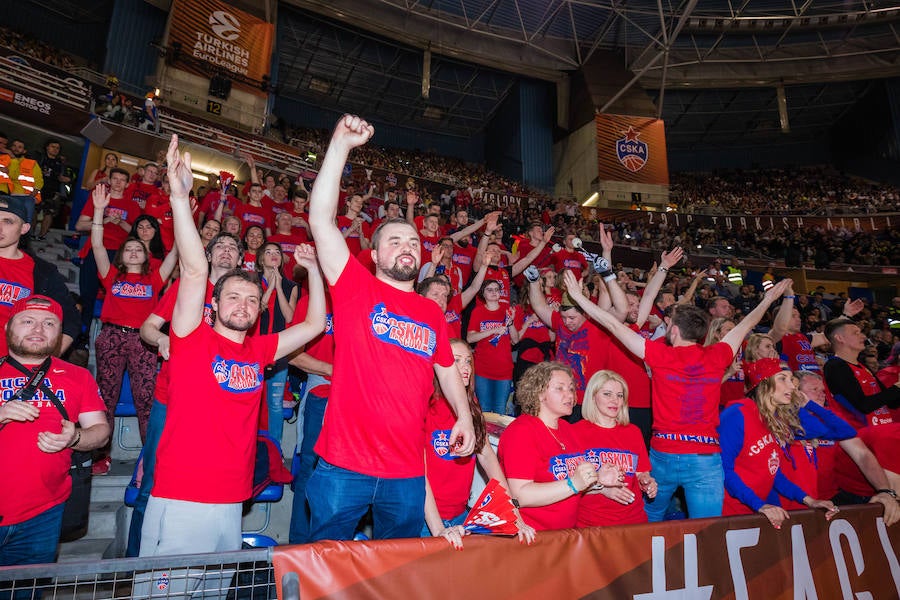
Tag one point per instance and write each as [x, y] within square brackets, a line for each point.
[492, 394]
[457, 520]
[700, 475]
[275, 401]
[32, 542]
[154, 432]
[338, 499]
[313, 413]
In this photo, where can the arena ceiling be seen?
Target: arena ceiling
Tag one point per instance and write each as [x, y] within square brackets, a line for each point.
[711, 67]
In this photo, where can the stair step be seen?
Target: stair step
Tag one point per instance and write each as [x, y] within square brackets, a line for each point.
[102, 522]
[84, 549]
[109, 488]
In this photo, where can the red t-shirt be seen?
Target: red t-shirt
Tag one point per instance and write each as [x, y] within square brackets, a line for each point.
[585, 350]
[139, 192]
[623, 446]
[572, 260]
[538, 333]
[288, 243]
[365, 259]
[261, 216]
[322, 346]
[544, 258]
[464, 258]
[16, 282]
[529, 451]
[883, 441]
[158, 207]
[500, 274]
[453, 316]
[216, 382]
[797, 351]
[686, 383]
[35, 481]
[130, 298]
[210, 204]
[450, 477]
[353, 240]
[113, 235]
[375, 420]
[164, 310]
[493, 355]
[632, 369]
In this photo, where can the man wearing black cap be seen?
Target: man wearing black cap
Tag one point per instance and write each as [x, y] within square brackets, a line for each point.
[42, 399]
[23, 274]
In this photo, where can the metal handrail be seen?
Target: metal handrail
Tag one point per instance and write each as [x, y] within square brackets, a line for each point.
[70, 91]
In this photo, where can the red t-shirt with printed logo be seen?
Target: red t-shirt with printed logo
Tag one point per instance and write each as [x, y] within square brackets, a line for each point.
[529, 451]
[453, 316]
[585, 350]
[35, 481]
[450, 477]
[164, 310]
[16, 282]
[113, 234]
[493, 355]
[574, 261]
[216, 382]
[464, 258]
[387, 342]
[622, 445]
[353, 239]
[130, 298]
[139, 192]
[261, 216]
[686, 383]
[797, 351]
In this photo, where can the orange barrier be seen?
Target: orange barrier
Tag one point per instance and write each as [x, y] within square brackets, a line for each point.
[853, 556]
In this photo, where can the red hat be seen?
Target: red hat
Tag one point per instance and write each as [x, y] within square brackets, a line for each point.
[37, 303]
[756, 371]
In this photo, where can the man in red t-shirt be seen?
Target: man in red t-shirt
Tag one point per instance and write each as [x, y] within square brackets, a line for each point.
[686, 379]
[257, 211]
[372, 443]
[215, 378]
[139, 191]
[353, 226]
[117, 220]
[569, 257]
[39, 433]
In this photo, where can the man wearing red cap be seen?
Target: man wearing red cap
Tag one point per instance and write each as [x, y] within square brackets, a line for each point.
[41, 400]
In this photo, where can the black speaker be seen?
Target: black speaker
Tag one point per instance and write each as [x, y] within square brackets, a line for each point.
[220, 87]
[96, 132]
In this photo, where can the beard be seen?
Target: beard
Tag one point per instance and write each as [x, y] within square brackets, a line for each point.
[237, 325]
[34, 351]
[401, 273]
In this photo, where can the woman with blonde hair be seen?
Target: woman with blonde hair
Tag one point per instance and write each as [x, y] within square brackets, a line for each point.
[733, 380]
[541, 454]
[759, 345]
[606, 435]
[751, 432]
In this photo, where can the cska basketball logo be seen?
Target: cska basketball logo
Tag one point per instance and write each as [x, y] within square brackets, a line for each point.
[401, 331]
[440, 442]
[236, 377]
[774, 462]
[631, 152]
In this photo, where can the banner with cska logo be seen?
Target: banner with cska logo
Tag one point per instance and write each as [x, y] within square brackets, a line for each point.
[632, 149]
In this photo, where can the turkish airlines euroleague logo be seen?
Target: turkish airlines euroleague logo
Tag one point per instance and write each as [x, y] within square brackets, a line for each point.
[225, 25]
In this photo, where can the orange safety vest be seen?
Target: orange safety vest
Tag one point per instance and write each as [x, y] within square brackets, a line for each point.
[26, 177]
[5, 159]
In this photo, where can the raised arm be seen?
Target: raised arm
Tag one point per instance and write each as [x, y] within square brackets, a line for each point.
[666, 262]
[168, 264]
[100, 197]
[350, 132]
[783, 316]
[736, 336]
[297, 335]
[539, 303]
[632, 341]
[468, 294]
[188, 312]
[472, 228]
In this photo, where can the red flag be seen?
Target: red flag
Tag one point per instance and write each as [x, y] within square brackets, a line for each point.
[493, 513]
[225, 179]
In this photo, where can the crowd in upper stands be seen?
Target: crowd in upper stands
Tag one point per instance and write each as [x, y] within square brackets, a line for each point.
[28, 45]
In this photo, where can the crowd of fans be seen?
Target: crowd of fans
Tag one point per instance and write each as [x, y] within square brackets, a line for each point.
[641, 362]
[28, 45]
[799, 191]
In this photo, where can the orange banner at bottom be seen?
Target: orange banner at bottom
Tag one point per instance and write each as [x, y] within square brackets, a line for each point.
[853, 556]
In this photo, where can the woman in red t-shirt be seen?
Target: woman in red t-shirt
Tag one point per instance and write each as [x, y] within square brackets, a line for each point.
[450, 477]
[733, 380]
[132, 290]
[541, 454]
[492, 330]
[607, 436]
[254, 238]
